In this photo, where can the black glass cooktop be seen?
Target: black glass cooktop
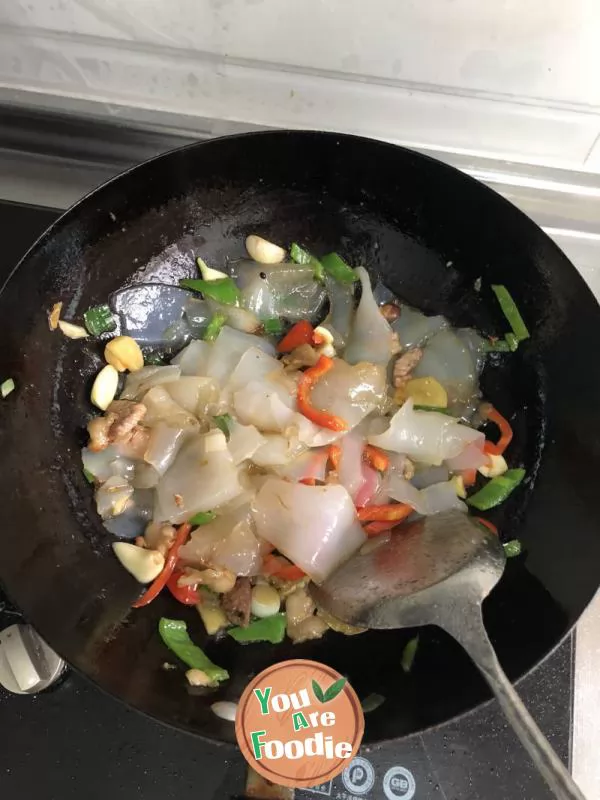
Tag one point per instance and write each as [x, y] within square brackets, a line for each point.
[74, 741]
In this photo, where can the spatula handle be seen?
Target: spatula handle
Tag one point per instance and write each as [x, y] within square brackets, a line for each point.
[471, 634]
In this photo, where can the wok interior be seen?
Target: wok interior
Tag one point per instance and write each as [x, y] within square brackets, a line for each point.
[428, 233]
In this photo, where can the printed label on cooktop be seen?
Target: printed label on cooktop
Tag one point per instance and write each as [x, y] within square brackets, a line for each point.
[360, 781]
[359, 777]
[399, 784]
[322, 789]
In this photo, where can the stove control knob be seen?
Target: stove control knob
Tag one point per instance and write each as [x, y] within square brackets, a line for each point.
[27, 664]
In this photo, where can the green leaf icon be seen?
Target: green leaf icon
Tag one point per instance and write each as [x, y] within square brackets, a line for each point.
[318, 692]
[334, 690]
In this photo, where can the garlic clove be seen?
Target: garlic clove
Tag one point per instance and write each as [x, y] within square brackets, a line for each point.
[496, 467]
[72, 331]
[326, 347]
[124, 353]
[196, 677]
[105, 386]
[265, 600]
[225, 709]
[264, 252]
[208, 273]
[310, 628]
[145, 565]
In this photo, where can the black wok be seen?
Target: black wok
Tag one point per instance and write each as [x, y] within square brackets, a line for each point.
[429, 232]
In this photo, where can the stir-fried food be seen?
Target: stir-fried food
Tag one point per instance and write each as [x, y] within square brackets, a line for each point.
[305, 410]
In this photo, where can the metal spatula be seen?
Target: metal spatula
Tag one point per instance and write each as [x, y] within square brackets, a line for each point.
[438, 571]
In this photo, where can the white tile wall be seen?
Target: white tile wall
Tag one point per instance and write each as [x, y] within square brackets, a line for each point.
[505, 79]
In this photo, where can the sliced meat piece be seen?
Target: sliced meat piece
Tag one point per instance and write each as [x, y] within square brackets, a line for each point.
[390, 311]
[302, 356]
[98, 430]
[236, 603]
[404, 366]
[120, 425]
[127, 415]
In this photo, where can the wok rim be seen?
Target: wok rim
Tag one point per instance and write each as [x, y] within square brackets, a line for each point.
[65, 215]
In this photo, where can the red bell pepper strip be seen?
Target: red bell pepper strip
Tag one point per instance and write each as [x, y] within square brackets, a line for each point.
[487, 524]
[271, 563]
[305, 387]
[279, 567]
[308, 481]
[301, 333]
[375, 528]
[290, 573]
[376, 458]
[506, 432]
[188, 595]
[469, 476]
[392, 512]
[160, 582]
